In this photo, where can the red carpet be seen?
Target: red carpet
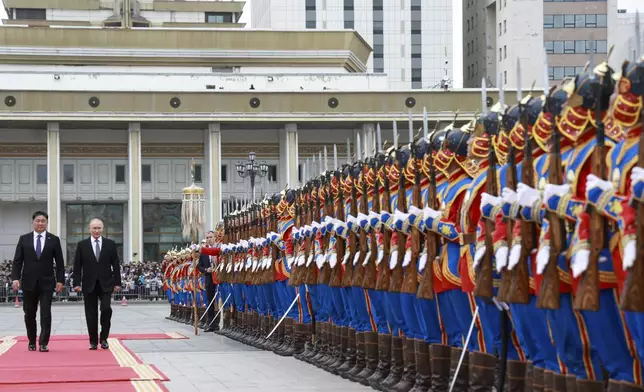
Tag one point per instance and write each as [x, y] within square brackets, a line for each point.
[70, 366]
[120, 336]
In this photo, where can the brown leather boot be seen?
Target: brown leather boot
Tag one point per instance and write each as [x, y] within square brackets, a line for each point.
[571, 383]
[408, 379]
[548, 380]
[516, 378]
[371, 357]
[529, 377]
[350, 353]
[423, 368]
[299, 338]
[323, 352]
[384, 361]
[334, 352]
[397, 365]
[629, 387]
[343, 336]
[613, 386]
[463, 377]
[482, 371]
[537, 379]
[440, 366]
[590, 386]
[360, 358]
[558, 382]
[289, 332]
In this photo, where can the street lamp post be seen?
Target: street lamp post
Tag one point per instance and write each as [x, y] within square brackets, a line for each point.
[252, 169]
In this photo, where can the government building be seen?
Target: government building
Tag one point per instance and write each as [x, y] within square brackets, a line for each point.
[105, 105]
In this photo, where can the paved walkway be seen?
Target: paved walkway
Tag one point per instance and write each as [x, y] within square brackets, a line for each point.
[206, 362]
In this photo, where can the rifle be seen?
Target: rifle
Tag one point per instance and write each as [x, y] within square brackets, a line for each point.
[359, 274]
[338, 277]
[520, 286]
[395, 285]
[432, 241]
[371, 270]
[314, 206]
[511, 183]
[324, 277]
[384, 278]
[410, 280]
[587, 297]
[549, 293]
[484, 285]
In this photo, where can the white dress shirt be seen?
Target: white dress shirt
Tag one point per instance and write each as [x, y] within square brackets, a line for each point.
[100, 244]
[43, 235]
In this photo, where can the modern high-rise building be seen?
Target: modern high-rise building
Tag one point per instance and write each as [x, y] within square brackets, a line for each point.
[412, 40]
[497, 32]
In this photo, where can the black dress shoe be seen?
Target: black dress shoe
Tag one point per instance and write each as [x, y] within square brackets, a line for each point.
[44, 348]
[32, 347]
[104, 345]
[93, 346]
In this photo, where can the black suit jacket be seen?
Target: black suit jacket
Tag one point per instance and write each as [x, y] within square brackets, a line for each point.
[38, 272]
[106, 271]
[204, 264]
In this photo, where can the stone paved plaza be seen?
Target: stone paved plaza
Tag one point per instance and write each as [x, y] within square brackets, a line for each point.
[206, 362]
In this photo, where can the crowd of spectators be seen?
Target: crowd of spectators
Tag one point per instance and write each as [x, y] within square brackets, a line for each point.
[139, 279]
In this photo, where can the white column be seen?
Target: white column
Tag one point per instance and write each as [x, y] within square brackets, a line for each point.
[53, 178]
[135, 215]
[289, 156]
[213, 171]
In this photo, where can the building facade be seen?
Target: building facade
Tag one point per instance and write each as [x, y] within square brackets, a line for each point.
[412, 40]
[497, 32]
[112, 122]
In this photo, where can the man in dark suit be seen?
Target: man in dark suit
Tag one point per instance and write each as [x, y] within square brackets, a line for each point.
[98, 271]
[205, 266]
[33, 270]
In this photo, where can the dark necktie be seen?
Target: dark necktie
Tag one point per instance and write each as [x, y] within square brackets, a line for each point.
[38, 245]
[97, 250]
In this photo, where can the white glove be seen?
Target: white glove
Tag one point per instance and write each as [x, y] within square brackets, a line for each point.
[592, 181]
[380, 256]
[346, 258]
[580, 262]
[309, 260]
[407, 258]
[637, 174]
[630, 252]
[422, 262]
[430, 213]
[515, 256]
[501, 256]
[356, 258]
[393, 259]
[509, 196]
[555, 190]
[527, 196]
[478, 256]
[486, 198]
[367, 257]
[543, 257]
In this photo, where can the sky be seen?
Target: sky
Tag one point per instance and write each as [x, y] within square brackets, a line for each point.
[631, 5]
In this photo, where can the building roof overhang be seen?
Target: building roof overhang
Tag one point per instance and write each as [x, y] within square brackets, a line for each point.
[183, 47]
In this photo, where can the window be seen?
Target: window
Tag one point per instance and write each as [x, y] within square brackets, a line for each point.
[574, 21]
[120, 174]
[348, 14]
[505, 77]
[310, 5]
[548, 21]
[551, 73]
[68, 174]
[41, 174]
[505, 52]
[198, 172]
[468, 49]
[591, 21]
[272, 173]
[31, 13]
[602, 47]
[550, 47]
[500, 54]
[569, 20]
[416, 85]
[161, 228]
[78, 217]
[146, 173]
[299, 172]
[468, 25]
[505, 27]
[575, 47]
[569, 47]
[500, 31]
[224, 173]
[219, 17]
[558, 21]
[311, 17]
[601, 20]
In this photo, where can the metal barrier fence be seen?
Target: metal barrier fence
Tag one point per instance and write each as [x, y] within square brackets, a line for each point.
[7, 295]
